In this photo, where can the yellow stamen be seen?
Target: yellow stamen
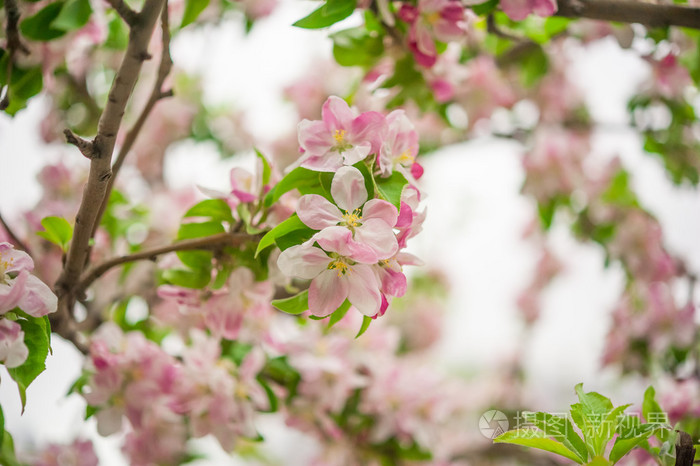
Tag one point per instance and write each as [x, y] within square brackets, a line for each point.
[433, 17]
[339, 136]
[352, 219]
[340, 266]
[406, 157]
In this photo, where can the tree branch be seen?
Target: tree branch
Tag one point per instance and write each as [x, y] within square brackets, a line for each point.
[129, 16]
[15, 239]
[217, 241]
[101, 150]
[166, 64]
[13, 45]
[625, 11]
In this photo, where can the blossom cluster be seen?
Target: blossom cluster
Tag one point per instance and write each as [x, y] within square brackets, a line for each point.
[19, 289]
[356, 252]
[167, 400]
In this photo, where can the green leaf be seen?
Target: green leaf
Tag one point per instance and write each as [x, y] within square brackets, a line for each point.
[40, 25]
[199, 230]
[267, 170]
[651, 408]
[560, 428]
[26, 83]
[593, 403]
[2, 425]
[215, 209]
[293, 223]
[303, 179]
[365, 325]
[391, 187]
[196, 279]
[57, 230]
[7, 451]
[294, 305]
[193, 8]
[117, 34]
[536, 439]
[357, 47]
[339, 313]
[327, 15]
[622, 445]
[38, 344]
[483, 9]
[74, 15]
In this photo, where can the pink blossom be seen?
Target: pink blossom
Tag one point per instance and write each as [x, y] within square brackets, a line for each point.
[518, 10]
[78, 453]
[670, 78]
[400, 147]
[342, 137]
[410, 221]
[344, 274]
[443, 20]
[13, 351]
[18, 288]
[370, 222]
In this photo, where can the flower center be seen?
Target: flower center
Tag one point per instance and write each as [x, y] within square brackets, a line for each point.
[406, 158]
[4, 265]
[433, 17]
[340, 266]
[352, 219]
[339, 136]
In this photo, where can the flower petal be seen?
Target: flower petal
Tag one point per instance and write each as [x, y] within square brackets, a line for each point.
[348, 188]
[317, 212]
[381, 210]
[13, 351]
[337, 114]
[327, 292]
[379, 236]
[14, 259]
[303, 261]
[363, 291]
[356, 153]
[339, 239]
[38, 299]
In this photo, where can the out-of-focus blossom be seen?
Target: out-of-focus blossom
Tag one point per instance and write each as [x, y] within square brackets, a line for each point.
[430, 20]
[78, 453]
[518, 10]
[669, 77]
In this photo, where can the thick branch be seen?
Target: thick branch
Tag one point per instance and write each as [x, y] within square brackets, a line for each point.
[166, 64]
[625, 11]
[210, 242]
[103, 145]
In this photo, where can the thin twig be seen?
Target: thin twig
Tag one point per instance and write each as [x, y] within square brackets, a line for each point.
[166, 64]
[128, 15]
[14, 43]
[15, 239]
[493, 28]
[217, 241]
[85, 146]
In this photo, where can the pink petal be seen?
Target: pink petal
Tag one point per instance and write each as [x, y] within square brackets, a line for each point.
[339, 239]
[244, 196]
[393, 283]
[544, 7]
[12, 292]
[337, 114]
[379, 236]
[317, 212]
[517, 10]
[408, 13]
[329, 162]
[424, 40]
[348, 188]
[369, 127]
[416, 170]
[356, 153]
[363, 291]
[382, 210]
[13, 351]
[303, 261]
[14, 259]
[38, 299]
[327, 292]
[314, 138]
